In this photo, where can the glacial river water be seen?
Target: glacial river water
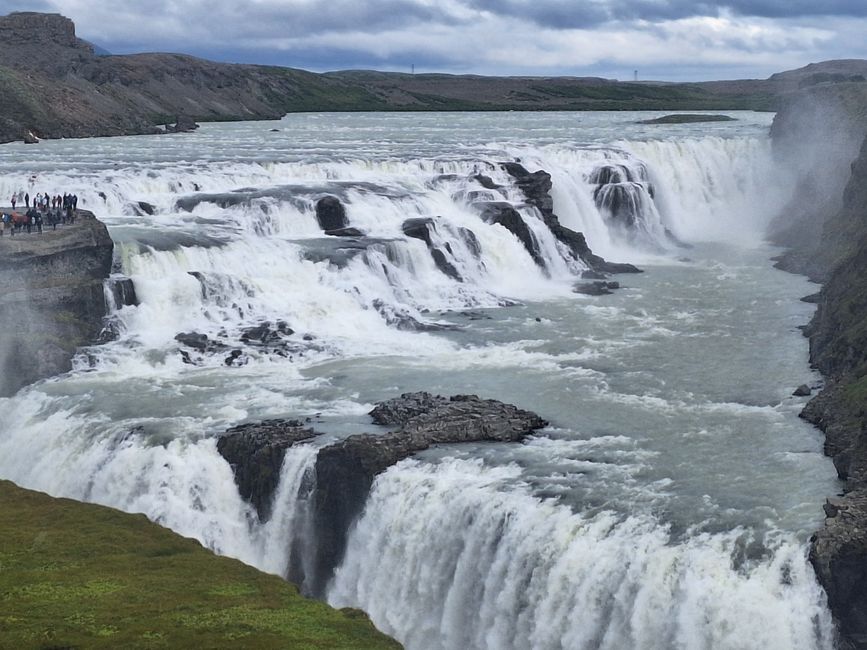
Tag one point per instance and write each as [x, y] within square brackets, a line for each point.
[670, 501]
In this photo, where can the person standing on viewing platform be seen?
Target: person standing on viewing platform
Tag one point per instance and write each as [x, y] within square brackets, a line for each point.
[14, 200]
[27, 200]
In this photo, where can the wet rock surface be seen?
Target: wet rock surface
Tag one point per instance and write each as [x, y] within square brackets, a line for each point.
[56, 302]
[255, 452]
[422, 228]
[803, 391]
[345, 470]
[838, 555]
[507, 216]
[183, 124]
[599, 288]
[345, 232]
[331, 214]
[536, 186]
[828, 232]
[339, 251]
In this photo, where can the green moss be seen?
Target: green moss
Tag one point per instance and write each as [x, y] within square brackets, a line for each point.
[84, 576]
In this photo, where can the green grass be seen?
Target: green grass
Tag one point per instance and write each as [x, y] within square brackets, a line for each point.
[76, 575]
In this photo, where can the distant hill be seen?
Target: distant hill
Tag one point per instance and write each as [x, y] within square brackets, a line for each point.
[53, 84]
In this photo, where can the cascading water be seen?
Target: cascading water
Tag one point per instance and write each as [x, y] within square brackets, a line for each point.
[668, 507]
[456, 556]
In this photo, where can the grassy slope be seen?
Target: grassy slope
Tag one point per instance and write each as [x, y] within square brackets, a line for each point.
[80, 575]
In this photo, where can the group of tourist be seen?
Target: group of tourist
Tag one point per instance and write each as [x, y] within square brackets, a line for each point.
[47, 211]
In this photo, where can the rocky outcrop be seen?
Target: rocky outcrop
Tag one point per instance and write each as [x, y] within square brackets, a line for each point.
[509, 218]
[54, 85]
[255, 452]
[123, 292]
[536, 186]
[816, 137]
[331, 214]
[421, 228]
[345, 470]
[839, 557]
[599, 288]
[183, 124]
[54, 301]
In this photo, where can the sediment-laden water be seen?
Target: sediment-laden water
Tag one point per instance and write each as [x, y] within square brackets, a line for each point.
[669, 503]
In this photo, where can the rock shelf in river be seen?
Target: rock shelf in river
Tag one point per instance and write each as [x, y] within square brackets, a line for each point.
[345, 470]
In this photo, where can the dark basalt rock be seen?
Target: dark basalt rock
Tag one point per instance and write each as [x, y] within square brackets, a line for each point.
[421, 228]
[487, 182]
[839, 557]
[681, 118]
[399, 411]
[54, 301]
[123, 292]
[331, 214]
[536, 188]
[621, 202]
[803, 391]
[444, 265]
[345, 470]
[507, 216]
[146, 207]
[265, 334]
[345, 232]
[255, 452]
[613, 173]
[471, 241]
[199, 342]
[183, 124]
[596, 288]
[339, 251]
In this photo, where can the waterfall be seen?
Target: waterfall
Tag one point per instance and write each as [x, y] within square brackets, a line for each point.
[245, 310]
[456, 556]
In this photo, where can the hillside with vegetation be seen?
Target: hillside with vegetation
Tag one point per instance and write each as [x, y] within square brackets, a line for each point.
[76, 575]
[53, 85]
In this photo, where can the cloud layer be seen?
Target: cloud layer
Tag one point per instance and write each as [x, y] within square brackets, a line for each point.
[664, 39]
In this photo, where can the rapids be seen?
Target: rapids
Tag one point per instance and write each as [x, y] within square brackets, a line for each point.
[669, 504]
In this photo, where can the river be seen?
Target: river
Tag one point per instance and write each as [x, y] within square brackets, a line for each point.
[669, 503]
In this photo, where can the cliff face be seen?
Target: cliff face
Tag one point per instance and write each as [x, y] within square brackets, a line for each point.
[52, 84]
[54, 302]
[816, 134]
[830, 238]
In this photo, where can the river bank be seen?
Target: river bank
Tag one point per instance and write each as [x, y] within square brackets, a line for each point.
[826, 230]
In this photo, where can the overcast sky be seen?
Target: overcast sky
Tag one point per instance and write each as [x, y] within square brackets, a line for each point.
[662, 39]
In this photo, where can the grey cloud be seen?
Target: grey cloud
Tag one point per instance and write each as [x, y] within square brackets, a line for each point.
[568, 14]
[230, 21]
